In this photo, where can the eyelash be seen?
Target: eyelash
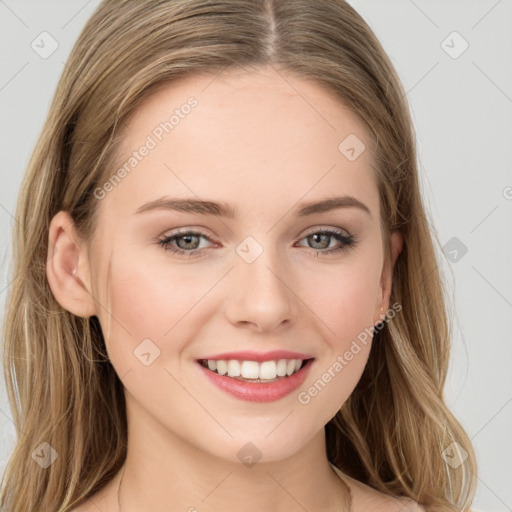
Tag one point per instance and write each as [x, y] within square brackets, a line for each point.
[348, 241]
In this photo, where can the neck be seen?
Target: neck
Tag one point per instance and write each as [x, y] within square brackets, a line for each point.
[197, 481]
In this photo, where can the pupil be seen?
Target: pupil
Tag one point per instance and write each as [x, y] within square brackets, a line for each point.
[317, 236]
[187, 240]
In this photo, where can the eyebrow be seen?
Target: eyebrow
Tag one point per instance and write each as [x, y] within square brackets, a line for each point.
[202, 207]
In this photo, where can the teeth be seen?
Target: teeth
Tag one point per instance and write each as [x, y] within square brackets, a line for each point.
[233, 368]
[222, 367]
[250, 370]
[267, 370]
[281, 367]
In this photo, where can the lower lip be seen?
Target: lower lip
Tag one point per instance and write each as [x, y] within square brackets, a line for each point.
[258, 392]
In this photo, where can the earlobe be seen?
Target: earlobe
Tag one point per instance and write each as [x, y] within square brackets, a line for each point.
[67, 267]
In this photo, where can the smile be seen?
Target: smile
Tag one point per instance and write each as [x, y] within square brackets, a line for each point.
[256, 381]
[254, 371]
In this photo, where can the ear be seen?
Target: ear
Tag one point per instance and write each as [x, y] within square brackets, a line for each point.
[67, 267]
[386, 280]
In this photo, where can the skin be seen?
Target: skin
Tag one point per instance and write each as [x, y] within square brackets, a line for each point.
[263, 144]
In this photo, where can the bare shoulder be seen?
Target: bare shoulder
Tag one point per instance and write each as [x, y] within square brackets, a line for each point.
[366, 498]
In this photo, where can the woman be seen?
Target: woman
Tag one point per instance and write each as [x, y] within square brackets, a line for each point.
[228, 294]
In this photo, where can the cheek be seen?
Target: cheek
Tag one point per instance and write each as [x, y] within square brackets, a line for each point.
[356, 305]
[145, 303]
[347, 302]
[146, 306]
[347, 308]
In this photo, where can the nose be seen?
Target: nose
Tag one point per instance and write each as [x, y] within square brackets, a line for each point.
[261, 295]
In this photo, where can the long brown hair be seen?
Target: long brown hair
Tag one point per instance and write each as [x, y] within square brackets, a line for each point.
[393, 431]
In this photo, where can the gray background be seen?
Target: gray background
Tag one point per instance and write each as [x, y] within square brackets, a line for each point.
[461, 106]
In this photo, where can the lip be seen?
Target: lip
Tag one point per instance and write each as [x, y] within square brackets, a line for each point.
[259, 357]
[258, 392]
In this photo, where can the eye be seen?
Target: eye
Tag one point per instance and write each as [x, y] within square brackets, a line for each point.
[321, 240]
[187, 243]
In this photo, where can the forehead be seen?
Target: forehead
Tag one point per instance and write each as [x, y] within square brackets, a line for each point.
[247, 137]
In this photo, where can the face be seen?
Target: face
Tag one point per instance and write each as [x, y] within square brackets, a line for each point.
[175, 283]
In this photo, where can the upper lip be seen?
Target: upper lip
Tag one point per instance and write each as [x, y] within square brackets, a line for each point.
[248, 355]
